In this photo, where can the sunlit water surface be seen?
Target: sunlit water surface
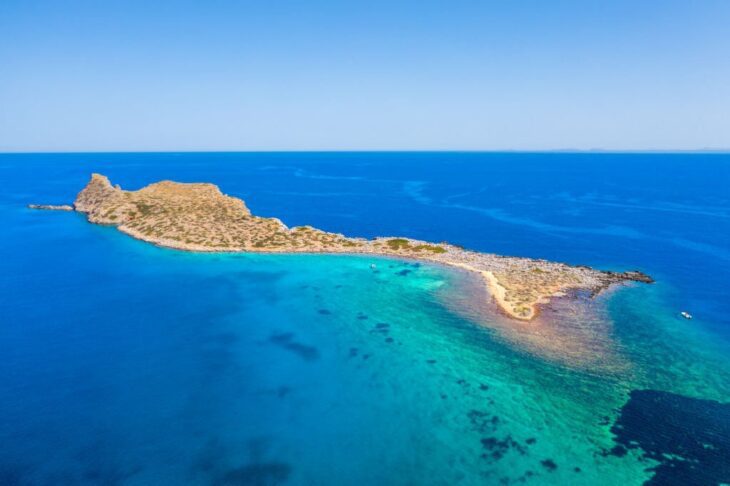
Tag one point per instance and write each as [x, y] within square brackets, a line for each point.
[123, 363]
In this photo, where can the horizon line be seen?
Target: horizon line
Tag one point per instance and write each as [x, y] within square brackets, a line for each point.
[533, 151]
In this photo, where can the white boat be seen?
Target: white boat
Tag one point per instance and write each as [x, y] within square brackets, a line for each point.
[686, 315]
[372, 265]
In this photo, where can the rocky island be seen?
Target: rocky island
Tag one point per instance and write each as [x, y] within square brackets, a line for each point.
[199, 217]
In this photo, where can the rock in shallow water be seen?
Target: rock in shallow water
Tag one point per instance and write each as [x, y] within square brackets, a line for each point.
[52, 207]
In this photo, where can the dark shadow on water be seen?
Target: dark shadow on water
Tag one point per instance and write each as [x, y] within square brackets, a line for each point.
[214, 464]
[101, 465]
[212, 453]
[286, 341]
[689, 437]
[260, 474]
[110, 476]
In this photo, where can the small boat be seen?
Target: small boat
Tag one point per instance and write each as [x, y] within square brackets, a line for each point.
[372, 265]
[686, 315]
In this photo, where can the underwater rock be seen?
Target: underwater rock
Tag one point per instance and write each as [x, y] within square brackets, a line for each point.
[286, 341]
[549, 464]
[497, 448]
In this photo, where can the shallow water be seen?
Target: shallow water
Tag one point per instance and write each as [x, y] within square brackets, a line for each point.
[128, 364]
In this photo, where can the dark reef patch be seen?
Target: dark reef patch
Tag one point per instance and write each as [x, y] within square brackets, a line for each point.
[496, 448]
[549, 464]
[325, 312]
[257, 474]
[482, 421]
[618, 451]
[286, 341]
[99, 465]
[403, 273]
[689, 437]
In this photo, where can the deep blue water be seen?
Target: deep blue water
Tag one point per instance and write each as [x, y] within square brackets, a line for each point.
[123, 363]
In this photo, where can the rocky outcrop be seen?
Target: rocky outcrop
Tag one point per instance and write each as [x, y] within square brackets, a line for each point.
[633, 275]
[52, 207]
[97, 194]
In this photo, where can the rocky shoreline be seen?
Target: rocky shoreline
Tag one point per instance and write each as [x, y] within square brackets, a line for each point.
[51, 207]
[200, 218]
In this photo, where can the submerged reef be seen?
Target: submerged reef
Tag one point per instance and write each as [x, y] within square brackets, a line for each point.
[688, 437]
[199, 217]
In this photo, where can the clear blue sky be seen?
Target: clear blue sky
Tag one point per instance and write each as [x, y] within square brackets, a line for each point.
[308, 75]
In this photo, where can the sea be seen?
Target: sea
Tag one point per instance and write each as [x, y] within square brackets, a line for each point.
[122, 363]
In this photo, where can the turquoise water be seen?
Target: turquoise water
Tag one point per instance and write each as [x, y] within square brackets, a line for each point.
[123, 363]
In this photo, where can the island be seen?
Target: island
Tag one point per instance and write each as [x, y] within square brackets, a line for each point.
[198, 217]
